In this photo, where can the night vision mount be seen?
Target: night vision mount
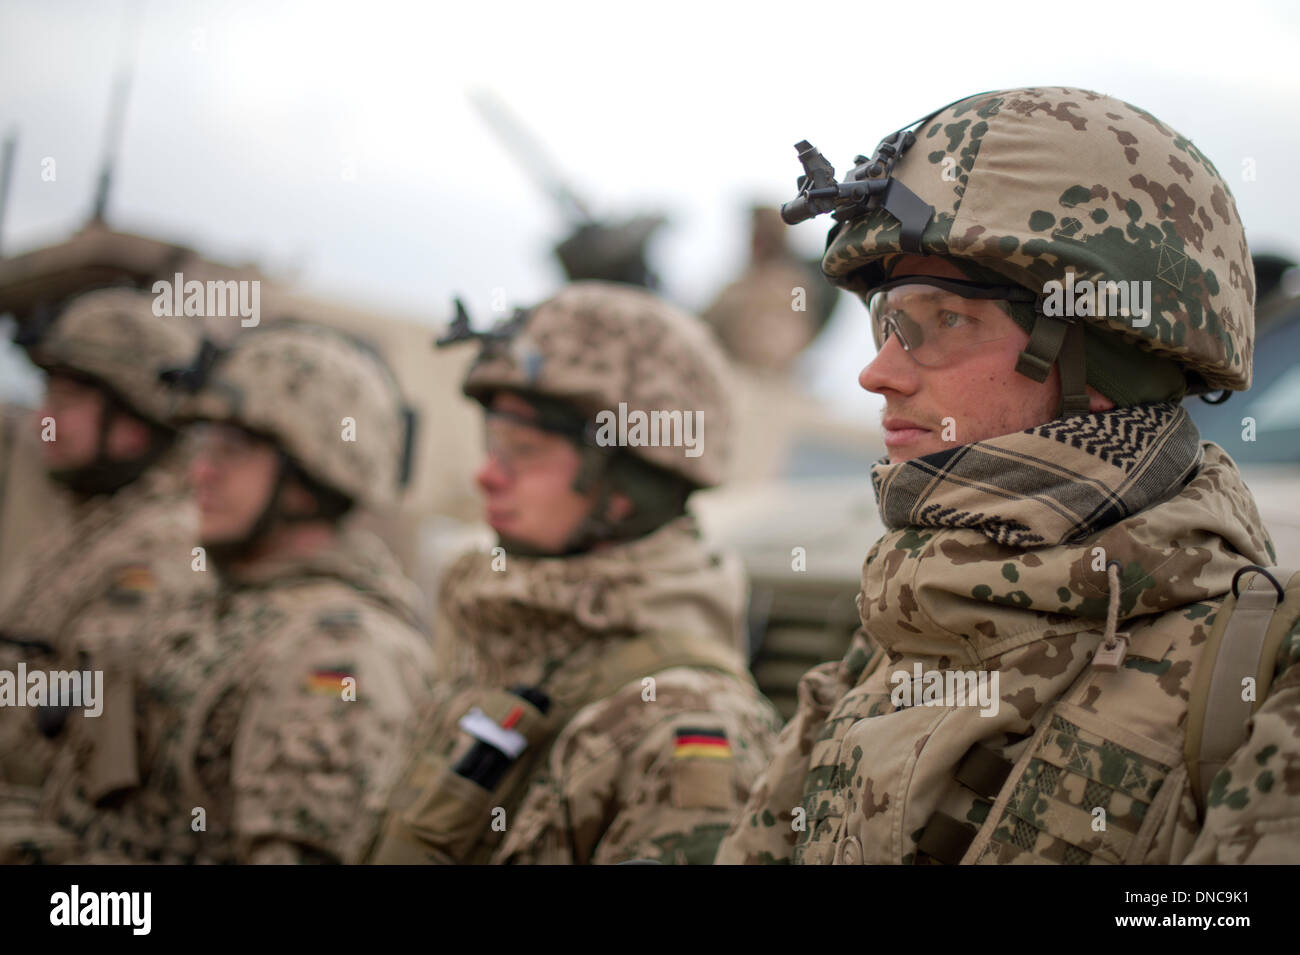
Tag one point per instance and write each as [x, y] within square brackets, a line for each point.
[192, 377]
[869, 185]
[461, 330]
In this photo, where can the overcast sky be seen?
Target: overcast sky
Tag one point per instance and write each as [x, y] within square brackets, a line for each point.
[336, 140]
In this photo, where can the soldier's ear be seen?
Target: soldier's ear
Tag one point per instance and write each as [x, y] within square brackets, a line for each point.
[620, 508]
[296, 501]
[128, 436]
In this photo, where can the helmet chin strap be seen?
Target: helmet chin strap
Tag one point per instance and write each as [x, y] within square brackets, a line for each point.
[601, 475]
[272, 516]
[105, 475]
[593, 529]
[1058, 340]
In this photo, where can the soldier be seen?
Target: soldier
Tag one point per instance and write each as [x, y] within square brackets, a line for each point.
[601, 708]
[1043, 488]
[770, 313]
[269, 718]
[95, 586]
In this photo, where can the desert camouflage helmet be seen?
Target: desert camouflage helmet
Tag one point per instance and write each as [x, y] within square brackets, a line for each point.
[328, 401]
[598, 345]
[112, 337]
[1038, 183]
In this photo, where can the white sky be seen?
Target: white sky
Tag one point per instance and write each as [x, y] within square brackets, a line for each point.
[245, 117]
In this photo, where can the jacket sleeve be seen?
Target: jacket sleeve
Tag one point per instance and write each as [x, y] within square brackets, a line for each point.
[1253, 804]
[649, 776]
[767, 828]
[320, 737]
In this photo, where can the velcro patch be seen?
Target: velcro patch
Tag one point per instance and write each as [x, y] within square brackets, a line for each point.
[328, 680]
[702, 769]
[694, 743]
[132, 584]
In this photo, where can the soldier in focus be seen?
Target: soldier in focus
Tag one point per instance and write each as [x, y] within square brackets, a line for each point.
[599, 708]
[268, 719]
[1057, 531]
[97, 586]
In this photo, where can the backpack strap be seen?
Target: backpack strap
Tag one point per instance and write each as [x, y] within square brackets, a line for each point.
[1248, 630]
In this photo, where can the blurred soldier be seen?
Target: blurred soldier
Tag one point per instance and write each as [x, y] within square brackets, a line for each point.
[774, 309]
[269, 719]
[1043, 488]
[103, 580]
[601, 708]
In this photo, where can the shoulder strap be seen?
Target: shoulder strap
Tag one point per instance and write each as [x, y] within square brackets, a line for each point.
[1248, 630]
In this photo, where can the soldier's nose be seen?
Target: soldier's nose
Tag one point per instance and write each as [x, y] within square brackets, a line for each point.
[491, 475]
[891, 370]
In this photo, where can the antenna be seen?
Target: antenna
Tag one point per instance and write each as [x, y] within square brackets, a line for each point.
[520, 143]
[117, 107]
[6, 174]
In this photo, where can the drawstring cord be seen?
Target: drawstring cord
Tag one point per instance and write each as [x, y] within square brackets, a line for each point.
[1114, 645]
[1112, 611]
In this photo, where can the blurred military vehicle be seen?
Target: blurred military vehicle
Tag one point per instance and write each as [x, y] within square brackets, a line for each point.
[604, 249]
[1260, 428]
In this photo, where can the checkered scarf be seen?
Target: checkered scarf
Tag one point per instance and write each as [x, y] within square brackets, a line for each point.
[1058, 483]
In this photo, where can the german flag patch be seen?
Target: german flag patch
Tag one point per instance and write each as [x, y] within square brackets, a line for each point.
[329, 680]
[694, 743]
[132, 583]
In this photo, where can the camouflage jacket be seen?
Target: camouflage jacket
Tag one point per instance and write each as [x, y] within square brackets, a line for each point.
[102, 580]
[896, 753]
[655, 769]
[266, 720]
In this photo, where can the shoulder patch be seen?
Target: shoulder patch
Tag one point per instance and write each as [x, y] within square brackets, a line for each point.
[132, 583]
[328, 681]
[702, 769]
[694, 743]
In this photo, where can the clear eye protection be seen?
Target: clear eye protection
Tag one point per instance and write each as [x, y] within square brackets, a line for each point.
[938, 320]
[222, 443]
[518, 443]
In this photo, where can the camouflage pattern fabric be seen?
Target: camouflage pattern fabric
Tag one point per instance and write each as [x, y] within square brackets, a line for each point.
[599, 346]
[1142, 203]
[113, 337]
[269, 719]
[1251, 808]
[627, 776]
[1061, 481]
[329, 402]
[861, 771]
[100, 585]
